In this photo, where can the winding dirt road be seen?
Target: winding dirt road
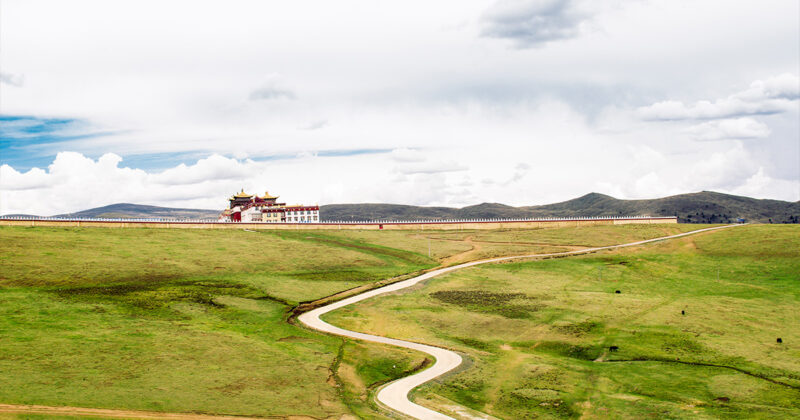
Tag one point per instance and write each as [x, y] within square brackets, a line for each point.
[395, 395]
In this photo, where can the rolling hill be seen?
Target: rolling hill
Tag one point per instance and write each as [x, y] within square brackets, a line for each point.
[135, 211]
[702, 207]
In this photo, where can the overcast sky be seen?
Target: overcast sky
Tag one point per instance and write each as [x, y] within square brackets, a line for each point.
[182, 103]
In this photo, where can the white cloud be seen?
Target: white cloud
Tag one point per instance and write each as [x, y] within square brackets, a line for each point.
[431, 167]
[774, 95]
[533, 22]
[537, 160]
[407, 155]
[12, 79]
[784, 86]
[757, 185]
[271, 92]
[315, 125]
[722, 170]
[736, 128]
[272, 88]
[12, 180]
[212, 168]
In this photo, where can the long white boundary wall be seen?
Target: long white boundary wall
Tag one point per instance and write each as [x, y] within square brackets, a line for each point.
[372, 225]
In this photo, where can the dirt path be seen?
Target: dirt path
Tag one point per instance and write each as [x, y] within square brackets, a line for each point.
[462, 256]
[477, 246]
[571, 247]
[395, 394]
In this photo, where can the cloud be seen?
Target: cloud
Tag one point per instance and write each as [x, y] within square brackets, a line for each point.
[771, 96]
[271, 92]
[520, 170]
[26, 127]
[12, 79]
[759, 182]
[744, 128]
[73, 182]
[785, 86]
[272, 89]
[407, 155]
[28, 141]
[413, 161]
[532, 23]
[725, 169]
[315, 125]
[350, 152]
[12, 180]
[430, 167]
[212, 168]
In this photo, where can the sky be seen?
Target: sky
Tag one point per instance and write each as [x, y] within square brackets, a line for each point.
[447, 103]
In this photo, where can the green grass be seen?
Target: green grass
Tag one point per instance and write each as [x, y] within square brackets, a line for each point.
[412, 241]
[588, 236]
[67, 257]
[198, 358]
[196, 320]
[178, 320]
[537, 334]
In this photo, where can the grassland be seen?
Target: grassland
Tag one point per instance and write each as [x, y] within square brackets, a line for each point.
[174, 320]
[451, 247]
[694, 329]
[196, 321]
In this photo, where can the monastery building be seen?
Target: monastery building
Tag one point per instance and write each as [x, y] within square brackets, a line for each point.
[244, 207]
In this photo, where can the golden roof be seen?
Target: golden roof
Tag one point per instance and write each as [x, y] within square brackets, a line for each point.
[268, 197]
[242, 194]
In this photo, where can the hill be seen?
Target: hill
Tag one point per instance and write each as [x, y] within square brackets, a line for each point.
[702, 207]
[136, 211]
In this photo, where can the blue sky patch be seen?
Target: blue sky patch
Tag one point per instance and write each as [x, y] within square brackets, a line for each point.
[155, 162]
[27, 141]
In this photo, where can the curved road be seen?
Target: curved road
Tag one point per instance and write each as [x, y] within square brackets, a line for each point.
[395, 395]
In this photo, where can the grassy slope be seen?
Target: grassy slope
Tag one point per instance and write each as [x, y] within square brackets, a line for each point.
[532, 331]
[451, 247]
[589, 236]
[179, 320]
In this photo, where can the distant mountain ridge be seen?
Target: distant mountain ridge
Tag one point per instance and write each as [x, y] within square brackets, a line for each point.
[702, 207]
[140, 211]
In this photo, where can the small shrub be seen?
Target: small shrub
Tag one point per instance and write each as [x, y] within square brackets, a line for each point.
[495, 303]
[478, 344]
[579, 329]
[570, 350]
[474, 297]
